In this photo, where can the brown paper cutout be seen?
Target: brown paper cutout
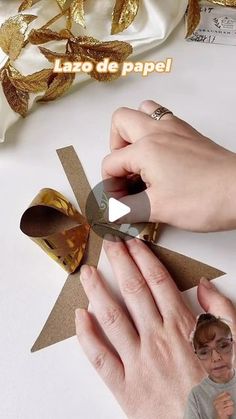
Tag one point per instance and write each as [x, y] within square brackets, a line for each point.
[60, 324]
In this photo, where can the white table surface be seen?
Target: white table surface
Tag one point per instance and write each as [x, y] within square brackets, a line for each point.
[58, 382]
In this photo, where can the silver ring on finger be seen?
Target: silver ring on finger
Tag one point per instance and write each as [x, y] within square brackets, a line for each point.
[160, 112]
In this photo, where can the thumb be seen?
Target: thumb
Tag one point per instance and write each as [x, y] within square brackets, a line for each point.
[216, 303]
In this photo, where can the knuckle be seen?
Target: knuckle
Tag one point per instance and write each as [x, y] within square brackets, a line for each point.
[114, 252]
[105, 159]
[133, 285]
[174, 123]
[117, 113]
[110, 316]
[155, 276]
[99, 360]
[227, 301]
[104, 165]
[145, 104]
[148, 146]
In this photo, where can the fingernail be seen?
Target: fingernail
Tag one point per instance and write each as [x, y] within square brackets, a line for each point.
[109, 237]
[79, 312]
[206, 283]
[85, 272]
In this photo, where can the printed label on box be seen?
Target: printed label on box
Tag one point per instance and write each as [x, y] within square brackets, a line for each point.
[217, 25]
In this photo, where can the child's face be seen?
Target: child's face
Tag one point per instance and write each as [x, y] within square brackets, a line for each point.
[218, 364]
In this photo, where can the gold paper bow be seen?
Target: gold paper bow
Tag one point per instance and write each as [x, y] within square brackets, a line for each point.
[57, 227]
[62, 232]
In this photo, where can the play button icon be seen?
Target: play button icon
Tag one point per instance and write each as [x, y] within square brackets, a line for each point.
[106, 209]
[116, 209]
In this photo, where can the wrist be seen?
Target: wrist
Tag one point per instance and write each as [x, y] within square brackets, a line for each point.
[230, 196]
[225, 208]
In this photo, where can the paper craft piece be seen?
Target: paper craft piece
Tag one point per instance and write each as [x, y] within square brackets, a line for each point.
[60, 323]
[57, 227]
[185, 270]
[62, 232]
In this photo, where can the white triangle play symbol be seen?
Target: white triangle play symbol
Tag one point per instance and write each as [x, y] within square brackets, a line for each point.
[116, 209]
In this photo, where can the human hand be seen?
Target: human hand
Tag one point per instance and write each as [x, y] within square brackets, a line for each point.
[189, 178]
[224, 406]
[145, 356]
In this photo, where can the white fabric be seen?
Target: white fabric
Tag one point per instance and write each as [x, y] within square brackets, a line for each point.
[153, 24]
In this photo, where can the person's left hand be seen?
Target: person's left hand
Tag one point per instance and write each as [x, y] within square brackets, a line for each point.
[148, 361]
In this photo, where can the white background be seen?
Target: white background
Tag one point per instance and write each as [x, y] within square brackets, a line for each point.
[58, 382]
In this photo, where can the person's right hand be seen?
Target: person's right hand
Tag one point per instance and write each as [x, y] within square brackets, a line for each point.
[190, 179]
[142, 349]
[224, 406]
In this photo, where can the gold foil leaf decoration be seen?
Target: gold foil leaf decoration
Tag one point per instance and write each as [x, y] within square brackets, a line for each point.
[59, 85]
[193, 16]
[66, 34]
[230, 3]
[69, 20]
[52, 55]
[123, 14]
[90, 49]
[17, 99]
[32, 83]
[41, 36]
[26, 4]
[77, 12]
[57, 227]
[13, 38]
[61, 3]
[12, 34]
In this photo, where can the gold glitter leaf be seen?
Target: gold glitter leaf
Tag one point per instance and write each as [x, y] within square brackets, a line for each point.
[60, 84]
[41, 36]
[25, 5]
[52, 55]
[77, 12]
[92, 48]
[36, 82]
[105, 76]
[12, 34]
[17, 99]
[123, 14]
[69, 21]
[193, 16]
[66, 34]
[61, 3]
